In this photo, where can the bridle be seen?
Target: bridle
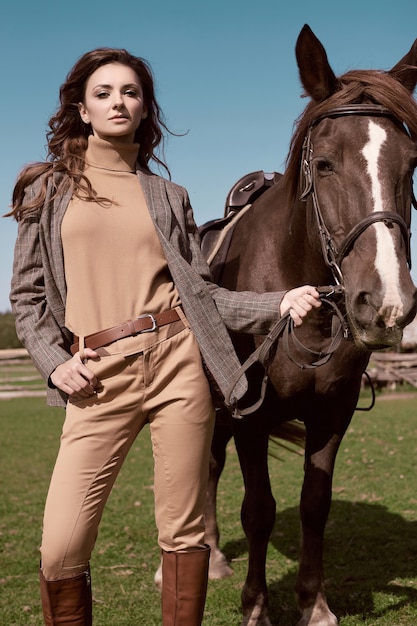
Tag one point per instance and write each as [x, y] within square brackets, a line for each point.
[332, 255]
[333, 258]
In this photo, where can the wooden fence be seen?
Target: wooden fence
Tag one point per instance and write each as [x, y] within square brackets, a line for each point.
[391, 369]
[19, 377]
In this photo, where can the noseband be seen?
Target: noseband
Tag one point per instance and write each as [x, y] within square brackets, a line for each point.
[332, 255]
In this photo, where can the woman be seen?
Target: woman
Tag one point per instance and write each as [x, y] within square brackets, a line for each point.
[115, 304]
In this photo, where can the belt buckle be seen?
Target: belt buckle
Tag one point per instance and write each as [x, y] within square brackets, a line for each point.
[154, 323]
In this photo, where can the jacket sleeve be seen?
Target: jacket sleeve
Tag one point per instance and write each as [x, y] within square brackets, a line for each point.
[36, 326]
[241, 311]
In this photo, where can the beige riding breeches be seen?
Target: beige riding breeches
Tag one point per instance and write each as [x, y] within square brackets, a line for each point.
[156, 379]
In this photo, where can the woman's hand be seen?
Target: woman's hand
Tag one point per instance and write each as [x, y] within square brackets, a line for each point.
[75, 378]
[300, 301]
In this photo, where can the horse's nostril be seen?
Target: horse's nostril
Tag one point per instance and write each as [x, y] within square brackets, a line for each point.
[364, 306]
[364, 299]
[380, 322]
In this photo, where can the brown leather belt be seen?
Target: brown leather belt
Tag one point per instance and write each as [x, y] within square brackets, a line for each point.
[146, 323]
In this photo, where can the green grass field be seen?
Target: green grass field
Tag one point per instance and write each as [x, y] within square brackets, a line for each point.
[371, 538]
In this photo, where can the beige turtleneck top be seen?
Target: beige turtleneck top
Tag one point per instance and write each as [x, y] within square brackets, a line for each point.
[115, 268]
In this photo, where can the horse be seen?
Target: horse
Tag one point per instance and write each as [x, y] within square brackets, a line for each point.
[340, 217]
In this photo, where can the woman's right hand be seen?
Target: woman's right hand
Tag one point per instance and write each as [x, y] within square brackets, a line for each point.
[300, 301]
[75, 378]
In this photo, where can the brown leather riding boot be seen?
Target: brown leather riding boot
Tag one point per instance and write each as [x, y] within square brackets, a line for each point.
[67, 601]
[184, 587]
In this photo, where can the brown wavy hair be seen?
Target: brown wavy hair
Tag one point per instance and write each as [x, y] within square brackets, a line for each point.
[67, 138]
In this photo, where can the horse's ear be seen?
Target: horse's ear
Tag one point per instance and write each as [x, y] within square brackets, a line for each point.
[406, 70]
[316, 75]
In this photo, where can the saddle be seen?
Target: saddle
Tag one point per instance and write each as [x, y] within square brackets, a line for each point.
[248, 188]
[216, 234]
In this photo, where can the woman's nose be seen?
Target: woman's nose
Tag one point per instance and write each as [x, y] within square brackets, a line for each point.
[118, 101]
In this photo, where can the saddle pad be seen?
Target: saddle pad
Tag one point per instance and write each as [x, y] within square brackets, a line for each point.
[215, 243]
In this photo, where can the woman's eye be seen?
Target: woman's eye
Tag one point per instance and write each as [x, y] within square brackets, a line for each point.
[131, 93]
[102, 94]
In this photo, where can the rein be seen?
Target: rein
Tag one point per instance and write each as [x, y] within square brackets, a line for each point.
[333, 258]
[265, 353]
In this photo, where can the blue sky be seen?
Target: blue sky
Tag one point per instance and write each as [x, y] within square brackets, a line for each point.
[225, 73]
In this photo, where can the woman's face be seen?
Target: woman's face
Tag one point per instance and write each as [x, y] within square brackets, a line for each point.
[113, 102]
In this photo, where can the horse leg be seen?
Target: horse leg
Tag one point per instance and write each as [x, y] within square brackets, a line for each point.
[257, 514]
[315, 504]
[218, 567]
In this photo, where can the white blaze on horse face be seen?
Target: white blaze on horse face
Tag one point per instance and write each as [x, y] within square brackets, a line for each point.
[386, 261]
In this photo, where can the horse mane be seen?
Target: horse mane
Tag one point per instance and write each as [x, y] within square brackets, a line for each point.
[355, 87]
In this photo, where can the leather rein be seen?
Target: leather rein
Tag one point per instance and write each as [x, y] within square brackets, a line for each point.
[333, 258]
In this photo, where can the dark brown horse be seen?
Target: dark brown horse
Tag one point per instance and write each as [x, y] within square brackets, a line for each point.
[340, 216]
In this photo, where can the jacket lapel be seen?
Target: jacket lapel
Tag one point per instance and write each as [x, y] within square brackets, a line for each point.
[153, 188]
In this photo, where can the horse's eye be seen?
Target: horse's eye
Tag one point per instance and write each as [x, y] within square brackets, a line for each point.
[324, 167]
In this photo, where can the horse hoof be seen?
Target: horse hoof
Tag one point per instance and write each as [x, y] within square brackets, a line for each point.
[313, 617]
[218, 566]
[157, 579]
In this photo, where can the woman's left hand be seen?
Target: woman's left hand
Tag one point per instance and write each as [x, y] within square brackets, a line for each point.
[300, 301]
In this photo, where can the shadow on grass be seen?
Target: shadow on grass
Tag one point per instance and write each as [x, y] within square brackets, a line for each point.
[368, 550]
